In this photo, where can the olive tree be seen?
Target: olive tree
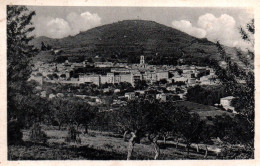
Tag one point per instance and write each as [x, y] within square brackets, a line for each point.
[143, 118]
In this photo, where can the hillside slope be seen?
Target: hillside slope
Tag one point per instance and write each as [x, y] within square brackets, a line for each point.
[129, 39]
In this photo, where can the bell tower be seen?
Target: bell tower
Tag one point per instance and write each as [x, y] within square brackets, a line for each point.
[141, 60]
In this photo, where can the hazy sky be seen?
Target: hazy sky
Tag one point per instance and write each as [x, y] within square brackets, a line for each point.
[213, 23]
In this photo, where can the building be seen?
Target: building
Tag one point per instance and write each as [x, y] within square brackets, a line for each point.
[125, 77]
[208, 80]
[150, 76]
[161, 97]
[162, 75]
[130, 95]
[92, 78]
[226, 103]
[142, 62]
[179, 79]
[103, 64]
[36, 78]
[191, 81]
[135, 77]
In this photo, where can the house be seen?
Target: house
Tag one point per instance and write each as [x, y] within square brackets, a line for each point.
[162, 75]
[60, 95]
[43, 94]
[179, 79]
[51, 96]
[161, 97]
[142, 92]
[181, 95]
[191, 81]
[226, 103]
[92, 78]
[130, 95]
[81, 96]
[171, 88]
[95, 99]
[105, 90]
[37, 78]
[103, 64]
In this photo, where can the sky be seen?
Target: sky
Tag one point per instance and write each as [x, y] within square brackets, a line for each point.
[215, 24]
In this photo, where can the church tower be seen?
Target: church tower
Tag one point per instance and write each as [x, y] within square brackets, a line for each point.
[142, 60]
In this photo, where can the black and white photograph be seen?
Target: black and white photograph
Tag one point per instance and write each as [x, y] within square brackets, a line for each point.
[130, 83]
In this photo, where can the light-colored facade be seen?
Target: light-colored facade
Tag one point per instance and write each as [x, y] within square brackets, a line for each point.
[226, 102]
[130, 95]
[161, 97]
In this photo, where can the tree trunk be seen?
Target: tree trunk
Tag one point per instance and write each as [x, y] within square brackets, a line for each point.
[206, 153]
[188, 148]
[125, 135]
[86, 129]
[198, 148]
[155, 145]
[164, 140]
[156, 150]
[59, 126]
[131, 145]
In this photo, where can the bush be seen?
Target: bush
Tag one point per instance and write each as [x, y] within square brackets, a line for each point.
[14, 132]
[37, 135]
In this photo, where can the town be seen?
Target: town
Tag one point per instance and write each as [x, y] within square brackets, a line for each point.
[166, 81]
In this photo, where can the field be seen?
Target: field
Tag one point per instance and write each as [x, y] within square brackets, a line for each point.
[95, 145]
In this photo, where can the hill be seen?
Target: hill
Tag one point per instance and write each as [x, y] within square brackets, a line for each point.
[127, 40]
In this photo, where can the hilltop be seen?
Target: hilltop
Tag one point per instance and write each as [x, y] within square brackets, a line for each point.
[129, 39]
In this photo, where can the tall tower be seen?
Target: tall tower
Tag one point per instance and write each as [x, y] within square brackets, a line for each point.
[141, 60]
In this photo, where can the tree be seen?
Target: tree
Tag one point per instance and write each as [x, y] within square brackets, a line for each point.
[143, 118]
[187, 126]
[19, 51]
[59, 111]
[19, 55]
[81, 113]
[247, 34]
[140, 84]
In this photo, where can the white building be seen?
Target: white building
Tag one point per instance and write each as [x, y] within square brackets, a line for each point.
[130, 95]
[161, 97]
[226, 102]
[103, 64]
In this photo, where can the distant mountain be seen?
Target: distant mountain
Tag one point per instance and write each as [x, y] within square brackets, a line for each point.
[130, 38]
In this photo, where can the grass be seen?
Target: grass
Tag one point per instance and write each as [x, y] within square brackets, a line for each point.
[94, 146]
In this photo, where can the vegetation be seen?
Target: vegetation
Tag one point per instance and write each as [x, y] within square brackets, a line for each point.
[159, 43]
[19, 55]
[208, 95]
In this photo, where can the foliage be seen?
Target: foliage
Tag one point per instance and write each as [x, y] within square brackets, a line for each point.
[206, 95]
[14, 132]
[19, 56]
[71, 111]
[19, 53]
